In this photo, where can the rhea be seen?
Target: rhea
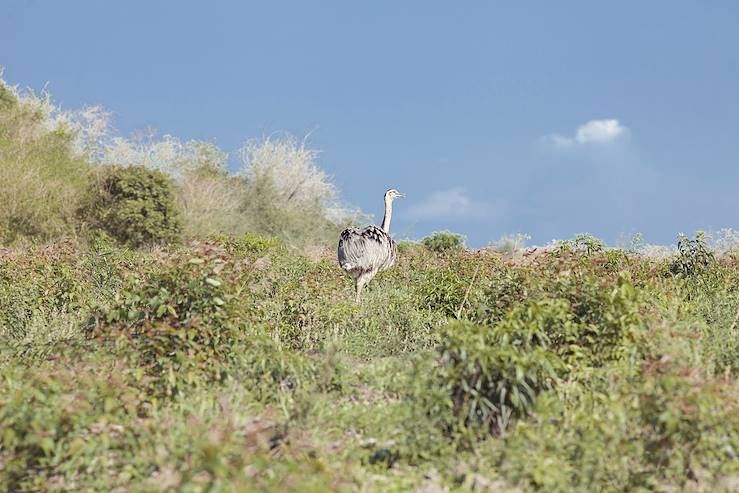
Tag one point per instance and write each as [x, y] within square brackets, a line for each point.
[365, 252]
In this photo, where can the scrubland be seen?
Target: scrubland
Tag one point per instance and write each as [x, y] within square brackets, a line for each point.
[155, 339]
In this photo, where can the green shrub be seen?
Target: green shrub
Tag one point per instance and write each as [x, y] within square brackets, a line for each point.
[693, 258]
[589, 244]
[41, 288]
[406, 246]
[494, 373]
[454, 285]
[288, 196]
[443, 241]
[386, 326]
[607, 316]
[669, 430]
[210, 198]
[270, 370]
[135, 205]
[297, 227]
[67, 427]
[710, 308]
[176, 319]
[443, 290]
[254, 244]
[584, 243]
[505, 288]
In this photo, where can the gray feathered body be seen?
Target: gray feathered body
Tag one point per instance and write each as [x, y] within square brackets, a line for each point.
[366, 251]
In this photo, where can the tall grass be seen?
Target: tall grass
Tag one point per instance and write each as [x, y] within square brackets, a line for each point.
[42, 178]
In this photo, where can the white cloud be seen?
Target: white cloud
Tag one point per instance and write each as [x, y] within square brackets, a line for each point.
[454, 203]
[599, 131]
[592, 132]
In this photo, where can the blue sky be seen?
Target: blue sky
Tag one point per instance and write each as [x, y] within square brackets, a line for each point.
[548, 118]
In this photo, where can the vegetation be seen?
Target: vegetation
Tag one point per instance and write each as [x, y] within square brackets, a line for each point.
[135, 205]
[511, 244]
[234, 363]
[67, 175]
[443, 240]
[238, 362]
[41, 178]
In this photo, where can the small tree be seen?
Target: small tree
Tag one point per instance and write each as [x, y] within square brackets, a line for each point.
[441, 241]
[694, 256]
[135, 205]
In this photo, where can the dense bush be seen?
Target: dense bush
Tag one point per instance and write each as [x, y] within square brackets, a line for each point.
[498, 370]
[54, 442]
[135, 205]
[668, 428]
[492, 373]
[505, 288]
[43, 291]
[443, 241]
[176, 318]
[297, 224]
[609, 325]
[250, 244]
[90, 427]
[495, 373]
[455, 285]
[281, 191]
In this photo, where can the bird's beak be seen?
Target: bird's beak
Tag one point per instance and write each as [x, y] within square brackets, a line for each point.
[401, 194]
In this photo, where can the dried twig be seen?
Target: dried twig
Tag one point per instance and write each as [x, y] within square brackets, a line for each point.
[467, 293]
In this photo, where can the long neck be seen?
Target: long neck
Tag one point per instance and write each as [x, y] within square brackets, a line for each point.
[388, 215]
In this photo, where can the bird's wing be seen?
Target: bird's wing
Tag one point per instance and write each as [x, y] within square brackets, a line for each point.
[365, 249]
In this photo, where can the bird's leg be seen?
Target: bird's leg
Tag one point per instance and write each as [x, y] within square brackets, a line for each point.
[361, 281]
[359, 286]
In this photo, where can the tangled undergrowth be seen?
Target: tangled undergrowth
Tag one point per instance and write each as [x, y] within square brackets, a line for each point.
[235, 364]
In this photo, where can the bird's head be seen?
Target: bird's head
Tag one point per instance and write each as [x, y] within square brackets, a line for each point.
[392, 194]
